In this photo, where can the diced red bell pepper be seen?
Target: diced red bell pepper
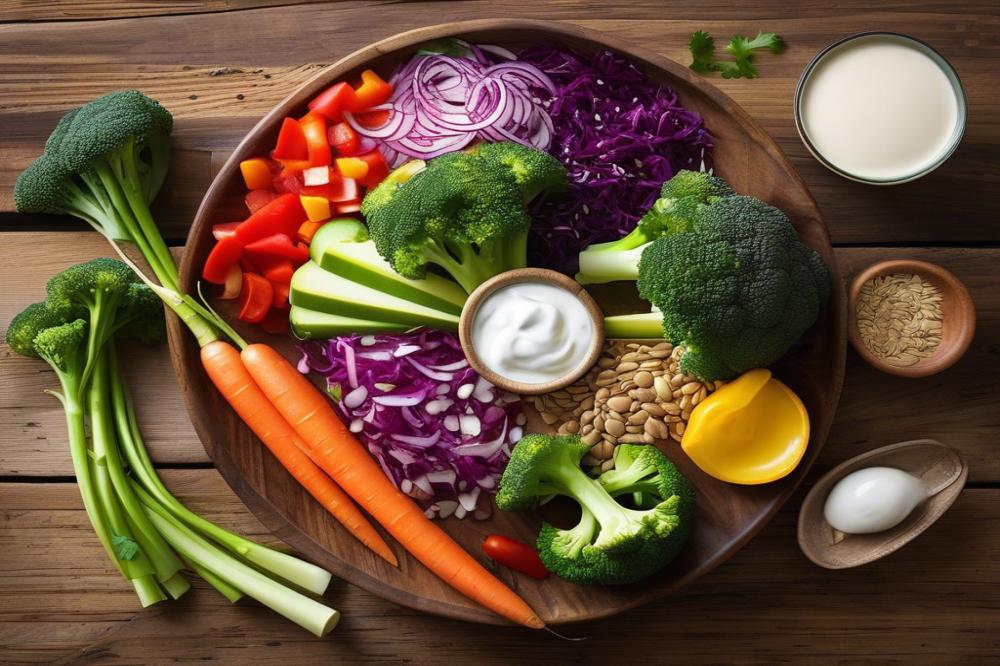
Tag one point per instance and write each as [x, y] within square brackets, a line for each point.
[332, 102]
[279, 270]
[278, 246]
[257, 199]
[224, 230]
[291, 144]
[344, 139]
[255, 298]
[225, 253]
[314, 126]
[372, 119]
[288, 182]
[378, 168]
[249, 265]
[234, 283]
[280, 299]
[337, 190]
[347, 207]
[372, 92]
[284, 215]
[275, 323]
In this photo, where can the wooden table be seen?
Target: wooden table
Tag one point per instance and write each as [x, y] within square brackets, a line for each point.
[220, 65]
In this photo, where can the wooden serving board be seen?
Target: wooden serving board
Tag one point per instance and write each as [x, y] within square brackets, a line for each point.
[728, 515]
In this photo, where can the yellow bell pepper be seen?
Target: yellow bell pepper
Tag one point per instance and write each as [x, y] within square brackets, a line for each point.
[352, 167]
[317, 208]
[752, 430]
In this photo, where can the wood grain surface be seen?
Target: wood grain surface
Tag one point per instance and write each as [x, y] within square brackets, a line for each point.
[935, 601]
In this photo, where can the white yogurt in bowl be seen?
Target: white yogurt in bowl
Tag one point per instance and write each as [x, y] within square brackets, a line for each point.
[880, 108]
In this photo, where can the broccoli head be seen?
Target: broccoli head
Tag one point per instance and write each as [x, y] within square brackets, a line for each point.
[736, 290]
[26, 326]
[464, 212]
[672, 213]
[612, 543]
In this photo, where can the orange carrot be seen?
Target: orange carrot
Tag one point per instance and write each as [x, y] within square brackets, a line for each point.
[346, 460]
[224, 366]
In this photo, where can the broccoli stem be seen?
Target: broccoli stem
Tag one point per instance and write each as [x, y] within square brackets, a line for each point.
[607, 262]
[465, 266]
[645, 325]
[609, 514]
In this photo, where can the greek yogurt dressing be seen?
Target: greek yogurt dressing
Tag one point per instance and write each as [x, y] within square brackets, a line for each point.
[872, 500]
[532, 332]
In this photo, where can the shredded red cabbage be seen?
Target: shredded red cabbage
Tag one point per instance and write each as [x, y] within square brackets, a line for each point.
[441, 432]
[620, 135]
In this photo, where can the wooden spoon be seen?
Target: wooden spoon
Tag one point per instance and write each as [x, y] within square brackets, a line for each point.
[941, 469]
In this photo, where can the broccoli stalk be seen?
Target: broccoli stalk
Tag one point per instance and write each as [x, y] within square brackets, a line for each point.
[611, 543]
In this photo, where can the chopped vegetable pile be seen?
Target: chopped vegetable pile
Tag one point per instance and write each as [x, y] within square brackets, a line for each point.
[620, 136]
[441, 432]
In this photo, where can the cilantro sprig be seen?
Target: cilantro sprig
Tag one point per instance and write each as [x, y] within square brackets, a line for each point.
[742, 49]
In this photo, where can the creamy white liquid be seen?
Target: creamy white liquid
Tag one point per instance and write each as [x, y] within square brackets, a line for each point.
[879, 108]
[872, 500]
[532, 332]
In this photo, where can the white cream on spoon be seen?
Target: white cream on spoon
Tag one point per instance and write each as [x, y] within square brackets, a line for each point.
[872, 500]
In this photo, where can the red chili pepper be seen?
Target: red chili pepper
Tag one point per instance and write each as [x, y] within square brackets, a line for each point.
[378, 168]
[284, 215]
[225, 253]
[314, 126]
[515, 555]
[344, 139]
[372, 92]
[257, 199]
[332, 102]
[291, 144]
[255, 298]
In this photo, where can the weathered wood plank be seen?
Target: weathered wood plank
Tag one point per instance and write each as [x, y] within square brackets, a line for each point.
[958, 406]
[172, 58]
[931, 599]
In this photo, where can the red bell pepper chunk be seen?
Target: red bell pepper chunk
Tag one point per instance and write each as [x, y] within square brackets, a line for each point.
[284, 215]
[275, 322]
[344, 139]
[249, 265]
[372, 92]
[337, 190]
[279, 271]
[332, 102]
[314, 126]
[288, 182]
[225, 253]
[224, 230]
[347, 207]
[277, 246]
[372, 119]
[280, 300]
[291, 144]
[257, 199]
[378, 168]
[255, 298]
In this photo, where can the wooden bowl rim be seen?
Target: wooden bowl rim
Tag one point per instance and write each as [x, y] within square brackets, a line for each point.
[516, 276]
[184, 348]
[952, 289]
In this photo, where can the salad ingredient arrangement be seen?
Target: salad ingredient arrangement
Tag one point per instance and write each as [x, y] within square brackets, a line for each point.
[741, 49]
[873, 499]
[899, 318]
[463, 213]
[149, 535]
[613, 543]
[620, 135]
[737, 289]
[439, 431]
[443, 102]
[635, 394]
[752, 430]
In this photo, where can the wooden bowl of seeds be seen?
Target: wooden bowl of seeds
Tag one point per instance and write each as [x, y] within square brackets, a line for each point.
[910, 318]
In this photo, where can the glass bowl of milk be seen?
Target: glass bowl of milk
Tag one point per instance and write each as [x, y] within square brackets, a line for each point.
[880, 108]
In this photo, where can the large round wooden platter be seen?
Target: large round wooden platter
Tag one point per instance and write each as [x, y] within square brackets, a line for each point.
[728, 515]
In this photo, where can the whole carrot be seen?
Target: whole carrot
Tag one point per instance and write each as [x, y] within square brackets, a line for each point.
[224, 366]
[344, 459]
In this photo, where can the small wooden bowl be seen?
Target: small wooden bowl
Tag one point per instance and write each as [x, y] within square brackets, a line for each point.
[958, 317]
[943, 472]
[529, 275]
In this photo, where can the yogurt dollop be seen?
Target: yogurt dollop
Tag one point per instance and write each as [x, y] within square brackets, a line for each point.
[532, 332]
[872, 500]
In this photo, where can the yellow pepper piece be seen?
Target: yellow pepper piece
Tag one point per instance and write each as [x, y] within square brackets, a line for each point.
[752, 430]
[352, 167]
[317, 208]
[407, 171]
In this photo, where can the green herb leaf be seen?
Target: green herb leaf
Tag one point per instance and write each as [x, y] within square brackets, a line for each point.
[702, 47]
[125, 548]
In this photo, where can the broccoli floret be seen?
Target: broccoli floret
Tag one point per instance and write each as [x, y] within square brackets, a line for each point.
[736, 290]
[672, 213]
[104, 163]
[27, 325]
[64, 348]
[465, 212]
[611, 543]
